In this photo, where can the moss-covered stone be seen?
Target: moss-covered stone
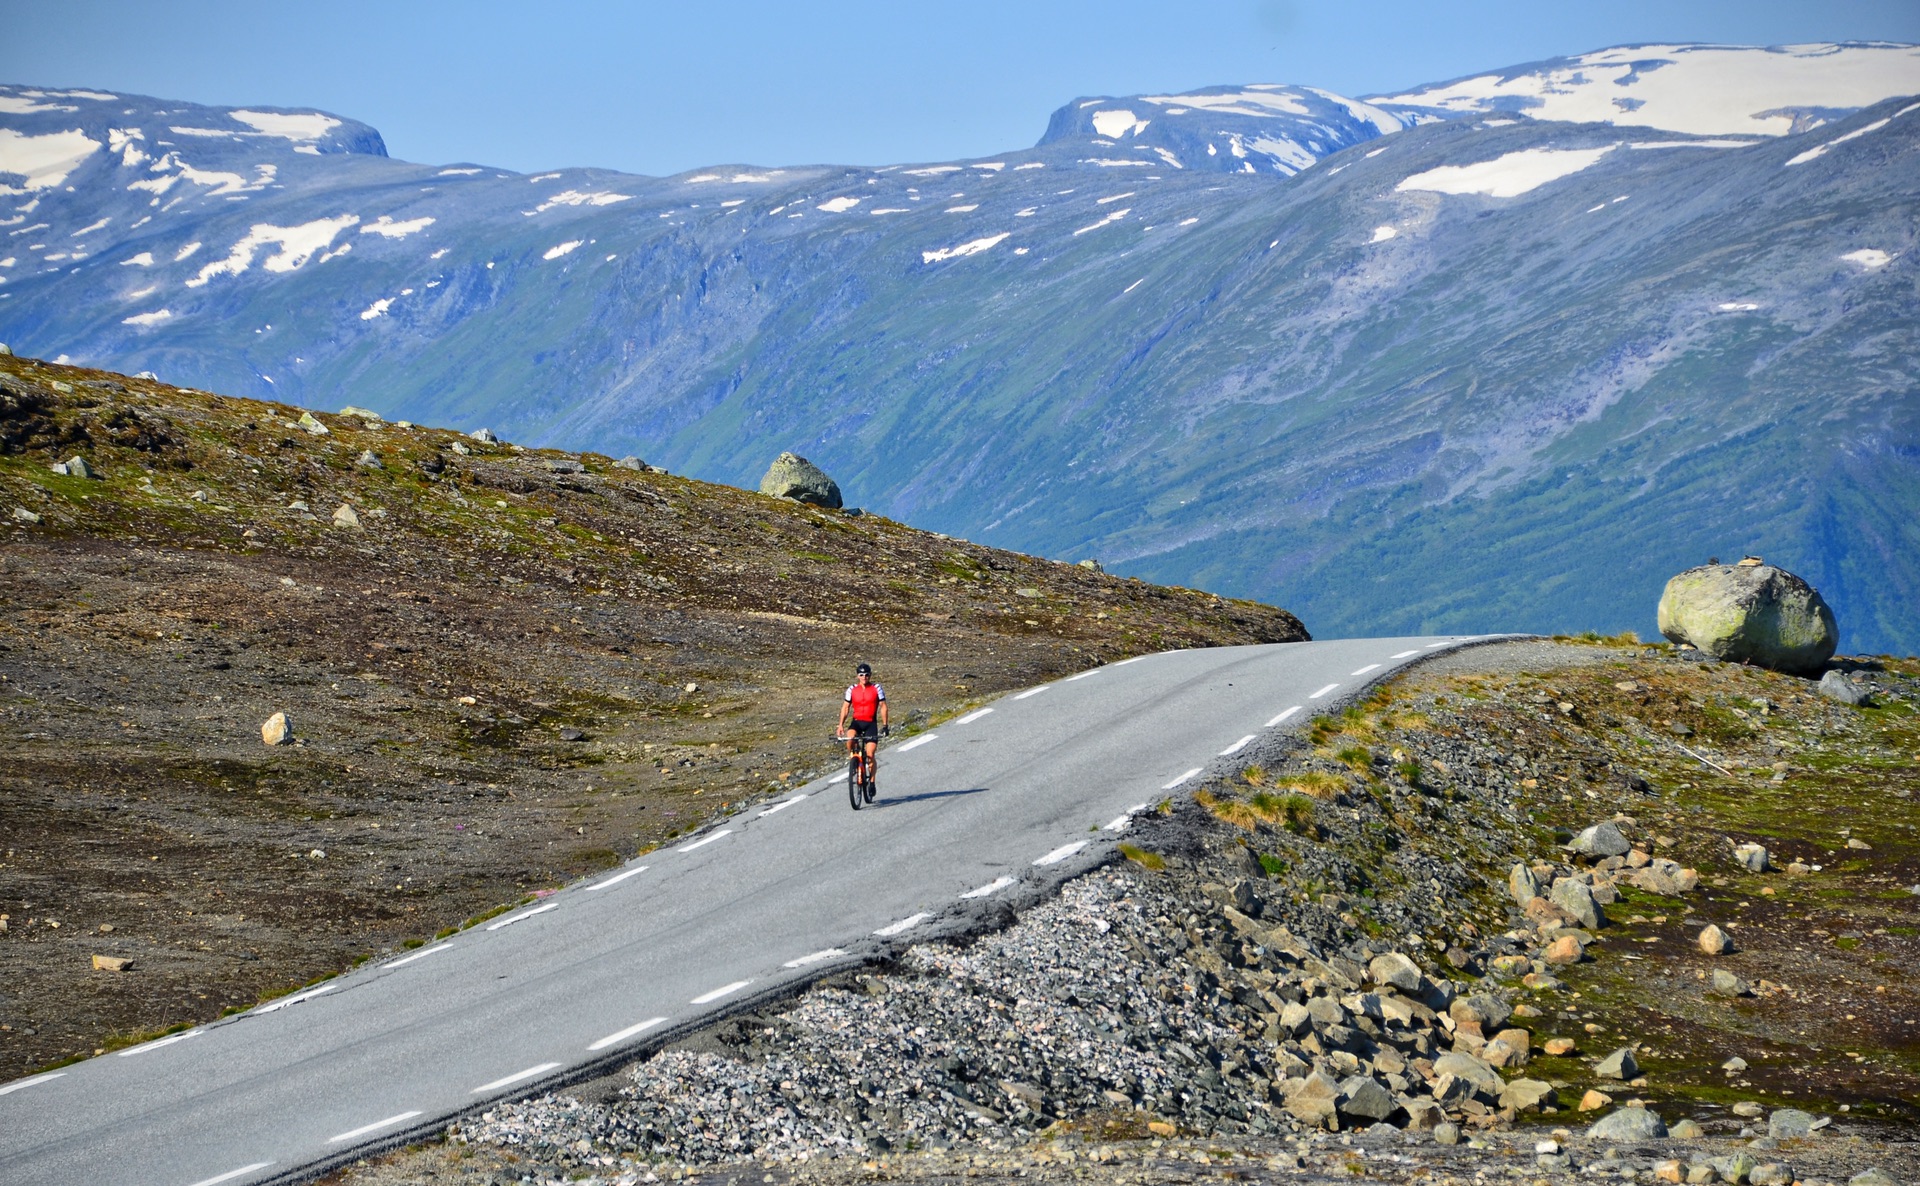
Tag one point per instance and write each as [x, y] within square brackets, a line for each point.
[1750, 613]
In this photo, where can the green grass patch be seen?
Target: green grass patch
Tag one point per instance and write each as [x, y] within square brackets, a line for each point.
[1141, 857]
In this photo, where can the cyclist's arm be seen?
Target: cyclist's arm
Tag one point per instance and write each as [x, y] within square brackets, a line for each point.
[883, 714]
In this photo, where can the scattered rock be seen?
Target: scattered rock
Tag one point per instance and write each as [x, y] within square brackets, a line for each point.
[1726, 984]
[76, 467]
[1747, 1109]
[1858, 845]
[24, 515]
[1446, 1133]
[277, 729]
[793, 476]
[1669, 1170]
[1363, 1098]
[308, 422]
[1527, 1095]
[367, 414]
[460, 449]
[1618, 1065]
[1770, 1173]
[484, 436]
[564, 465]
[5, 349]
[1092, 564]
[1628, 1124]
[344, 516]
[1600, 841]
[111, 963]
[1395, 970]
[1734, 1065]
[147, 375]
[1485, 1009]
[1522, 885]
[1756, 614]
[1563, 951]
[1873, 1176]
[633, 463]
[1686, 1130]
[1734, 1167]
[1474, 1071]
[368, 459]
[1791, 1123]
[1835, 685]
[569, 733]
[1593, 1101]
[1576, 898]
[1714, 941]
[1559, 1047]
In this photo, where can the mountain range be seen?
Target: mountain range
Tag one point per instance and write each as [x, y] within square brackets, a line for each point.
[1501, 352]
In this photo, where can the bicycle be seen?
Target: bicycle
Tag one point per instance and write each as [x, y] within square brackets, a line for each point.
[860, 772]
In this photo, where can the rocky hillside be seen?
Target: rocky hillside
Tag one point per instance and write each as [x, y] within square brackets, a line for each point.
[1541, 910]
[503, 667]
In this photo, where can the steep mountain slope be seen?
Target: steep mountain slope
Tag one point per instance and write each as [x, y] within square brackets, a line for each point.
[1439, 360]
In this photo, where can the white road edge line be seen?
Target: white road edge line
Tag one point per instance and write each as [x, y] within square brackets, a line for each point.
[1061, 853]
[1283, 716]
[786, 803]
[230, 1175]
[376, 1126]
[1184, 777]
[973, 716]
[423, 953]
[992, 887]
[619, 877]
[630, 1031]
[1367, 668]
[510, 919]
[1237, 746]
[1435, 645]
[1089, 671]
[705, 840]
[1034, 691]
[916, 742]
[905, 924]
[1323, 691]
[516, 1077]
[33, 1082]
[708, 998]
[1135, 659]
[295, 999]
[157, 1043]
[825, 953]
[1404, 654]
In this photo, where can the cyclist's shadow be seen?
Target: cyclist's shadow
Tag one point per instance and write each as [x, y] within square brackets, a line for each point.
[902, 800]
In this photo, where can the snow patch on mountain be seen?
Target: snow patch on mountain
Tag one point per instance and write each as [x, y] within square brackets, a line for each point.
[303, 125]
[377, 309]
[574, 197]
[297, 245]
[147, 319]
[1700, 90]
[1819, 150]
[838, 205]
[1506, 176]
[560, 249]
[1117, 123]
[42, 161]
[387, 227]
[1869, 258]
[971, 247]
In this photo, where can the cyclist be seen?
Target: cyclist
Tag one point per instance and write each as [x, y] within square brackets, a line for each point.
[863, 717]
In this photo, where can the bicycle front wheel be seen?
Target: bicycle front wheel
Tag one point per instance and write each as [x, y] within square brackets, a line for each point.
[853, 783]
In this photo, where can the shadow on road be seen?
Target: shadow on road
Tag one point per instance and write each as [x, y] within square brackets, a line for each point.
[903, 799]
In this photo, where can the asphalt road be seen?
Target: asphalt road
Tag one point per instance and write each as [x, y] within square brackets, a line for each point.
[999, 805]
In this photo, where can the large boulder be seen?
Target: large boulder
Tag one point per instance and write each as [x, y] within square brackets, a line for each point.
[1750, 613]
[793, 476]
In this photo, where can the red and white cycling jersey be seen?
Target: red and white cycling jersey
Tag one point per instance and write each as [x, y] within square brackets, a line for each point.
[866, 701]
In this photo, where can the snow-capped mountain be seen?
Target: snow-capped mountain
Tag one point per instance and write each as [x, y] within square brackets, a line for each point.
[1606, 314]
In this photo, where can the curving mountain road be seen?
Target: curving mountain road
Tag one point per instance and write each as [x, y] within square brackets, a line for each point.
[1000, 804]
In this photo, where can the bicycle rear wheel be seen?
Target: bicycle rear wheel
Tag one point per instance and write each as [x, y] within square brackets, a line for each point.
[853, 782]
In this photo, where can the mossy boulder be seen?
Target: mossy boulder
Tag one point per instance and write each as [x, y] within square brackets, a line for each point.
[1750, 613]
[793, 476]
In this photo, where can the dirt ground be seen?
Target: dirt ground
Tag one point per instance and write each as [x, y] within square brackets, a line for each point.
[511, 673]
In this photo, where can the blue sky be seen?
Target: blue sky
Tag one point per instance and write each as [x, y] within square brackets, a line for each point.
[659, 88]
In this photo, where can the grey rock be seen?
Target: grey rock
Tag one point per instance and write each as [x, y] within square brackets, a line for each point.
[569, 733]
[1791, 1123]
[1750, 614]
[1734, 1167]
[1476, 1071]
[1600, 841]
[1363, 1098]
[793, 476]
[1524, 1095]
[564, 465]
[1447, 1133]
[5, 349]
[1577, 900]
[1835, 685]
[1686, 1130]
[1522, 885]
[311, 424]
[1771, 1173]
[1628, 1124]
[1726, 984]
[1734, 1065]
[1295, 1019]
[345, 516]
[484, 436]
[24, 515]
[1490, 1011]
[78, 467]
[1395, 970]
[633, 463]
[1752, 857]
[1618, 1065]
[1872, 1176]
[369, 460]
[148, 375]
[1092, 564]
[276, 729]
[1714, 941]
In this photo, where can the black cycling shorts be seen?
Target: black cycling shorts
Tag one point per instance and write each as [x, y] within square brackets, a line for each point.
[864, 730]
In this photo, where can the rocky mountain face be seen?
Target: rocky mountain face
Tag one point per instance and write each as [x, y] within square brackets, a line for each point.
[1502, 352]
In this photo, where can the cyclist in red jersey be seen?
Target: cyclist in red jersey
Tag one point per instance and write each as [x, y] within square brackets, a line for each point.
[863, 715]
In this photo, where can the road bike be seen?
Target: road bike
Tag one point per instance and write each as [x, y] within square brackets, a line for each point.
[860, 771]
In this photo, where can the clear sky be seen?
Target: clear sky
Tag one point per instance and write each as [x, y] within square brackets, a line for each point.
[658, 88]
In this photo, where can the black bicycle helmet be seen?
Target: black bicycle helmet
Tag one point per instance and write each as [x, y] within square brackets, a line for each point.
[863, 669]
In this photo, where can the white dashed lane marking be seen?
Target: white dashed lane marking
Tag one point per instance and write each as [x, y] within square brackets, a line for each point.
[1323, 691]
[33, 1082]
[992, 887]
[510, 919]
[1089, 671]
[516, 1077]
[230, 1175]
[1404, 654]
[295, 999]
[973, 716]
[916, 742]
[1283, 716]
[814, 958]
[1135, 659]
[621, 876]
[705, 840]
[707, 998]
[1061, 853]
[907, 923]
[423, 953]
[1367, 668]
[158, 1043]
[622, 1035]
[1119, 823]
[376, 1126]
[1031, 692]
[786, 803]
[1237, 746]
[1184, 777]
